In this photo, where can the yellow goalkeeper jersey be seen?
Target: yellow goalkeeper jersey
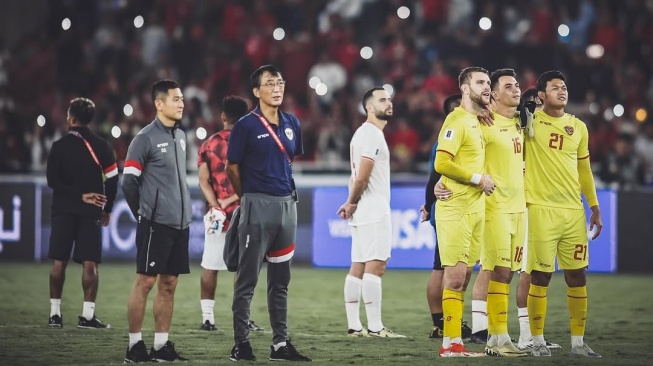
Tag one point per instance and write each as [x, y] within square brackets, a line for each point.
[552, 161]
[504, 162]
[460, 138]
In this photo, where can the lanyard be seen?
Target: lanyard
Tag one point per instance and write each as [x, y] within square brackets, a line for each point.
[88, 146]
[276, 139]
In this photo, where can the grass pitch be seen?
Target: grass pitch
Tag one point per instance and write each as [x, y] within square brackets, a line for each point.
[620, 325]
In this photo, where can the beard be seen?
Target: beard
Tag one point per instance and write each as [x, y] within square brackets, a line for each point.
[383, 115]
[478, 99]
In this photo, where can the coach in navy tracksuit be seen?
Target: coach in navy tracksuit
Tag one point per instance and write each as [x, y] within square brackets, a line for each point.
[262, 146]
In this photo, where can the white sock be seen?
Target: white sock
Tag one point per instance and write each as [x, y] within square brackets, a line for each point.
[352, 302]
[160, 340]
[577, 341]
[207, 310]
[524, 326]
[55, 307]
[88, 310]
[279, 345]
[503, 339]
[371, 290]
[479, 315]
[446, 342]
[134, 338]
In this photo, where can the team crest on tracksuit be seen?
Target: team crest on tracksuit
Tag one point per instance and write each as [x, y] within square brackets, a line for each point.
[289, 133]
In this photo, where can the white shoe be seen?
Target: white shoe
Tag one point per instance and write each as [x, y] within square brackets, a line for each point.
[540, 350]
[385, 333]
[584, 350]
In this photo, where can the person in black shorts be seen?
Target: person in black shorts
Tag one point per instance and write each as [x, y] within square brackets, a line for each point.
[154, 184]
[83, 175]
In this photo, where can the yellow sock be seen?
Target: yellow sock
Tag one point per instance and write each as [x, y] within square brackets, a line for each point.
[536, 309]
[453, 312]
[497, 307]
[577, 305]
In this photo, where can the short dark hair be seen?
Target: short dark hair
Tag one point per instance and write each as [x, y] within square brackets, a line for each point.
[255, 78]
[448, 106]
[162, 87]
[546, 77]
[234, 107]
[368, 94]
[466, 74]
[497, 74]
[82, 109]
[530, 94]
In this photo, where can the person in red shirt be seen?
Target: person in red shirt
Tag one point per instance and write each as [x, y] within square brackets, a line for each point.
[221, 202]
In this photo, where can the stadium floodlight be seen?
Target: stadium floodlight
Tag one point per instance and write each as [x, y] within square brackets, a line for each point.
[65, 24]
[389, 89]
[279, 34]
[321, 89]
[366, 52]
[313, 82]
[40, 120]
[485, 23]
[128, 110]
[563, 30]
[594, 108]
[594, 51]
[139, 21]
[115, 132]
[608, 115]
[618, 110]
[403, 12]
[201, 133]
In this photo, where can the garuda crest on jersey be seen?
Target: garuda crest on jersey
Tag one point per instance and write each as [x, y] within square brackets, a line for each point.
[569, 130]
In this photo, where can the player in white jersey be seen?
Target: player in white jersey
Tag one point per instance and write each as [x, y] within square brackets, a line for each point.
[368, 209]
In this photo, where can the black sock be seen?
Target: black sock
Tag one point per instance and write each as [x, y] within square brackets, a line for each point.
[437, 320]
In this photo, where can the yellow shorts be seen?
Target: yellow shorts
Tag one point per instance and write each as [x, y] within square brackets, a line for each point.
[460, 240]
[560, 232]
[503, 241]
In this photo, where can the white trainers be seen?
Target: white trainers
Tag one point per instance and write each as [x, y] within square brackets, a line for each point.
[505, 350]
[540, 350]
[584, 350]
[384, 333]
[357, 333]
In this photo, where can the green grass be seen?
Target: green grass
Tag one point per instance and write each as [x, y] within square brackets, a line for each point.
[620, 323]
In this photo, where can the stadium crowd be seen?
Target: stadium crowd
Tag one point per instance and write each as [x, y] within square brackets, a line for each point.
[212, 46]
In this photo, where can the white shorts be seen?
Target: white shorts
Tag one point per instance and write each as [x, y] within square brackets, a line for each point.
[213, 256]
[371, 241]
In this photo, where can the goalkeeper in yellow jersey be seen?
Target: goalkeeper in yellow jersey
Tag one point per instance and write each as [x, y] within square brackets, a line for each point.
[557, 172]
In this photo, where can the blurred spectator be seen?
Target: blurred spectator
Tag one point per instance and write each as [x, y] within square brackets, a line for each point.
[644, 149]
[622, 169]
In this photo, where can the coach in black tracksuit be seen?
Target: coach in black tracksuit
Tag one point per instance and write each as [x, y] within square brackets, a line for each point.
[83, 175]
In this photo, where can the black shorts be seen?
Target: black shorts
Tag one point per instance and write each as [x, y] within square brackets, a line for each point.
[82, 231]
[437, 264]
[161, 249]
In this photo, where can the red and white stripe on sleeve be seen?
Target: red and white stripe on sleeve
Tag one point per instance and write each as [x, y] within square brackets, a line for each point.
[111, 171]
[133, 167]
